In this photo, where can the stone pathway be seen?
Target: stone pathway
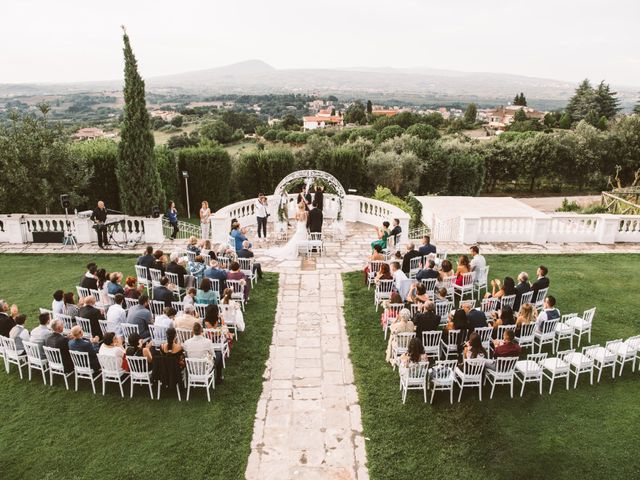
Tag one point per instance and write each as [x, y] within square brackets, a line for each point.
[308, 422]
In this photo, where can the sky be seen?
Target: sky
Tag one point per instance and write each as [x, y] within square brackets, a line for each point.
[71, 40]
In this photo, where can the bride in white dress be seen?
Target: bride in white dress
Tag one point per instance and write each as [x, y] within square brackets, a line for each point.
[290, 250]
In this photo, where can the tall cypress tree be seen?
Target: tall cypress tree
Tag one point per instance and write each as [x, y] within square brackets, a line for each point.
[606, 101]
[138, 177]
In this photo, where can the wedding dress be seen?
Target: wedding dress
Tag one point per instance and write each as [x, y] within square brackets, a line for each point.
[290, 250]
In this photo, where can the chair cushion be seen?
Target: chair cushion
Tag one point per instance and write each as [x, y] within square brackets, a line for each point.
[564, 329]
[601, 354]
[577, 322]
[579, 360]
[528, 366]
[551, 365]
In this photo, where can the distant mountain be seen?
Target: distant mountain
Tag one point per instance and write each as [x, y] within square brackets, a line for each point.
[411, 84]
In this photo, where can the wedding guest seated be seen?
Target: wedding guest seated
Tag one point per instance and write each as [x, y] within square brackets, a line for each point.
[208, 249]
[57, 305]
[541, 282]
[426, 319]
[507, 347]
[187, 318]
[116, 315]
[166, 319]
[69, 308]
[19, 333]
[111, 345]
[147, 259]
[463, 267]
[376, 256]
[172, 346]
[429, 272]
[238, 234]
[6, 321]
[478, 261]
[190, 297]
[40, 334]
[426, 248]
[197, 268]
[504, 316]
[131, 290]
[527, 314]
[414, 354]
[409, 255]
[418, 293]
[214, 272]
[446, 269]
[521, 288]
[402, 325]
[396, 231]
[176, 267]
[550, 312]
[160, 261]
[79, 344]
[192, 245]
[475, 318]
[388, 316]
[113, 285]
[384, 273]
[162, 293]
[458, 321]
[499, 290]
[236, 274]
[59, 341]
[401, 281]
[89, 279]
[141, 316]
[473, 348]
[91, 313]
[441, 295]
[205, 294]
[201, 347]
[246, 252]
[383, 234]
[138, 348]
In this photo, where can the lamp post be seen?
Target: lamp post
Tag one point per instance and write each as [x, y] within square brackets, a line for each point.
[185, 175]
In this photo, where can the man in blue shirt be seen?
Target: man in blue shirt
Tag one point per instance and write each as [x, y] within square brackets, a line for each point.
[140, 315]
[215, 273]
[79, 344]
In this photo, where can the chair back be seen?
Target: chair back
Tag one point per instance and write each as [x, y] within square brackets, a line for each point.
[442, 310]
[402, 341]
[67, 321]
[393, 309]
[526, 297]
[228, 313]
[130, 302]
[489, 305]
[561, 361]
[216, 336]
[588, 315]
[128, 329]
[430, 285]
[156, 275]
[374, 267]
[158, 335]
[467, 280]
[54, 357]
[415, 308]
[103, 327]
[223, 262]
[384, 287]
[441, 255]
[10, 349]
[508, 300]
[451, 338]
[503, 328]
[549, 328]
[417, 371]
[236, 286]
[81, 362]
[485, 334]
[206, 258]
[537, 359]
[174, 280]
[178, 306]
[191, 256]
[142, 275]
[33, 353]
[198, 368]
[215, 285]
[481, 276]
[542, 293]
[414, 266]
[442, 372]
[473, 368]
[157, 307]
[526, 334]
[470, 303]
[567, 316]
[505, 366]
[111, 365]
[201, 309]
[83, 292]
[431, 342]
[85, 325]
[96, 294]
[183, 334]
[138, 368]
[246, 266]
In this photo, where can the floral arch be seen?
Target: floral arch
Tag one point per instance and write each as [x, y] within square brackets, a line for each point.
[309, 176]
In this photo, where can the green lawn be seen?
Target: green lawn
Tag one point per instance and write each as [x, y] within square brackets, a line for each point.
[49, 432]
[588, 433]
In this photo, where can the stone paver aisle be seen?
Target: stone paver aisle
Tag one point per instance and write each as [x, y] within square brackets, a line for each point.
[308, 422]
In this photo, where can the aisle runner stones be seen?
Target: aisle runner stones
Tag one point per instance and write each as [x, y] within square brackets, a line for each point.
[308, 422]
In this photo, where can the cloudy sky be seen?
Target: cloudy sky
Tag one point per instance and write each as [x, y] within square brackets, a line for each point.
[71, 40]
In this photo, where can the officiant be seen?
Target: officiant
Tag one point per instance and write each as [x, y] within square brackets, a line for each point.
[315, 218]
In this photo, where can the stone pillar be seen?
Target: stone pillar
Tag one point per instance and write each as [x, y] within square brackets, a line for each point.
[153, 232]
[541, 230]
[219, 229]
[12, 230]
[84, 231]
[350, 208]
[469, 230]
[607, 228]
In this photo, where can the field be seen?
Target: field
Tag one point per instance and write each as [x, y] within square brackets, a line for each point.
[588, 433]
[49, 432]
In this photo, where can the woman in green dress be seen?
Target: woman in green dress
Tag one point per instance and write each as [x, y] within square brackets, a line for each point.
[383, 235]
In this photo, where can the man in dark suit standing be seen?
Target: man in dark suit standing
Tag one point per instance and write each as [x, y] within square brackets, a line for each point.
[318, 197]
[59, 341]
[315, 219]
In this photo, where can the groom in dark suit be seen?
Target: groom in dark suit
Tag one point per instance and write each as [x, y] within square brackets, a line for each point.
[315, 219]
[318, 197]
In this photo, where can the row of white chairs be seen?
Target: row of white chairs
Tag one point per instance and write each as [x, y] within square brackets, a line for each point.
[506, 370]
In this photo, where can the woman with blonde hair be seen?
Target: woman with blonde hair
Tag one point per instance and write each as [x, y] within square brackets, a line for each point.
[527, 314]
[402, 325]
[205, 216]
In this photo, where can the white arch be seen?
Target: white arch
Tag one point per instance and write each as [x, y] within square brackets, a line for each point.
[327, 177]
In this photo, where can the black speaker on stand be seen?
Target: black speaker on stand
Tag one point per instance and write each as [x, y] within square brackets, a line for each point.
[69, 238]
[155, 211]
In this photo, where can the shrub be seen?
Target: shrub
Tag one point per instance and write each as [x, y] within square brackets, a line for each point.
[210, 173]
[390, 132]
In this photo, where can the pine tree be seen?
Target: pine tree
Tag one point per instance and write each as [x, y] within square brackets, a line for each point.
[607, 103]
[520, 116]
[516, 99]
[470, 114]
[523, 100]
[369, 107]
[565, 121]
[582, 101]
[137, 171]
